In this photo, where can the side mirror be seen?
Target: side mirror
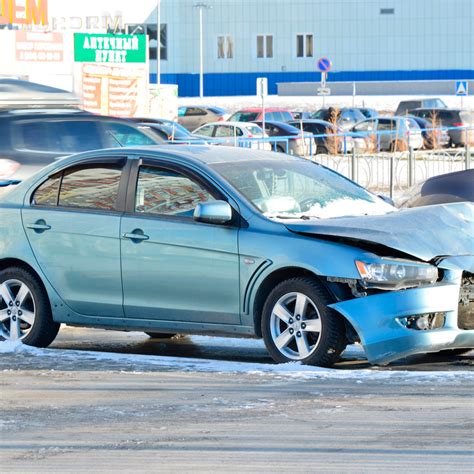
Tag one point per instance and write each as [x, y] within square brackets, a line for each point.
[213, 212]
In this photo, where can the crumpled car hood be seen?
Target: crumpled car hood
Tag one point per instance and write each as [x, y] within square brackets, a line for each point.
[423, 232]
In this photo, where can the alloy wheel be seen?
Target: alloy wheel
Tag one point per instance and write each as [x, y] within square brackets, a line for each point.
[295, 326]
[17, 310]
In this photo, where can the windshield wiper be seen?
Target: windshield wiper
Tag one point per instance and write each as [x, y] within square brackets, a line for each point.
[302, 217]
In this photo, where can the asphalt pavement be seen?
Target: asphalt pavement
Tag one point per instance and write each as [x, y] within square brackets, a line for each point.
[96, 401]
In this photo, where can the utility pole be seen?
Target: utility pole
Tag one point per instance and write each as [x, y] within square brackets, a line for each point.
[158, 39]
[201, 6]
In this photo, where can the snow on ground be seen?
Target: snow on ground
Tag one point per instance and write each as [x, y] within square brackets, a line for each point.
[381, 103]
[290, 370]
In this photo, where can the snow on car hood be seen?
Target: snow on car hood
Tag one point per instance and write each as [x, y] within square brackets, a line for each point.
[423, 232]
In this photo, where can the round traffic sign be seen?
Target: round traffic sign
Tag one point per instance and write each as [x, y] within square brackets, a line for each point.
[324, 64]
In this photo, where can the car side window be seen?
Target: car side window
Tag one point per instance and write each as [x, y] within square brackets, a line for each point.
[120, 134]
[224, 131]
[386, 125]
[47, 193]
[195, 111]
[90, 187]
[161, 191]
[206, 130]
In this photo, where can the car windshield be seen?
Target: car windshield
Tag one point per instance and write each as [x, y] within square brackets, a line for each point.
[296, 188]
[176, 132]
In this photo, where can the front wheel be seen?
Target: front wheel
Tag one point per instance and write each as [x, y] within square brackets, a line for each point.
[298, 325]
[25, 313]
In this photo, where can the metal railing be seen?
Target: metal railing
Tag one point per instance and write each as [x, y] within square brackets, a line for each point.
[381, 171]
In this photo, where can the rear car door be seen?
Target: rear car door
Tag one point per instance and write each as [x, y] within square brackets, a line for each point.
[174, 268]
[72, 223]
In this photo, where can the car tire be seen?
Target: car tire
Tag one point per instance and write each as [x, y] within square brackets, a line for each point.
[314, 337]
[25, 305]
[160, 335]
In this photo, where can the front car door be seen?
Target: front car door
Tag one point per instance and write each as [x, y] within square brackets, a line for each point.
[174, 268]
[72, 223]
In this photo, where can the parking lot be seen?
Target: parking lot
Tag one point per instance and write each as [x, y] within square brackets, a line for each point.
[103, 401]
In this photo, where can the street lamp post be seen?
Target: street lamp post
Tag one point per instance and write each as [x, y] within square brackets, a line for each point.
[201, 6]
[158, 39]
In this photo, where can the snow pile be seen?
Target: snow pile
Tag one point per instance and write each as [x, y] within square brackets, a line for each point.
[11, 346]
[293, 370]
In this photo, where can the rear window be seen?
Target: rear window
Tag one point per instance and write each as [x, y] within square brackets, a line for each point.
[217, 110]
[244, 116]
[255, 131]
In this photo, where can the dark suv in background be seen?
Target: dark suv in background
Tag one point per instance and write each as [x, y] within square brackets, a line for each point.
[405, 105]
[32, 138]
[460, 123]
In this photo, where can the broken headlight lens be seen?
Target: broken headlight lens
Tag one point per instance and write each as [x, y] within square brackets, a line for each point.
[395, 274]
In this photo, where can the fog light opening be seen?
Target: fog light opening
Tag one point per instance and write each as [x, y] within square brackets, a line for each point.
[424, 322]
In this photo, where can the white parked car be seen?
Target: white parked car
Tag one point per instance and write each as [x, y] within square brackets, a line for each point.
[242, 134]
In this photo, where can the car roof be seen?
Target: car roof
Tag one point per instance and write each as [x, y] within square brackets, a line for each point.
[260, 109]
[206, 154]
[230, 123]
[317, 121]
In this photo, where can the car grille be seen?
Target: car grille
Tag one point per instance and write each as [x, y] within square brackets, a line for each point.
[466, 303]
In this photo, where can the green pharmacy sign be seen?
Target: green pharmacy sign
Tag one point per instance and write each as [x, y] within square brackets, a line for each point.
[99, 48]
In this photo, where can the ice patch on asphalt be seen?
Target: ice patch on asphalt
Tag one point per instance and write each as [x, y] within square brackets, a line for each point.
[290, 370]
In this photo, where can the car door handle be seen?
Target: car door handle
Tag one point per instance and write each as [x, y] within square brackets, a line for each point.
[39, 226]
[136, 235]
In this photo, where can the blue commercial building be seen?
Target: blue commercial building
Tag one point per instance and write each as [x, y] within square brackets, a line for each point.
[366, 40]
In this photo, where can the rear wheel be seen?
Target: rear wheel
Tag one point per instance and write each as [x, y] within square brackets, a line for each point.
[298, 325]
[25, 313]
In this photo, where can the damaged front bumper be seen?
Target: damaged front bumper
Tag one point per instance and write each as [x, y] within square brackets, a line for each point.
[381, 320]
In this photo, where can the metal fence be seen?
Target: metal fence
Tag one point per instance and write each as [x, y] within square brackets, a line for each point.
[387, 172]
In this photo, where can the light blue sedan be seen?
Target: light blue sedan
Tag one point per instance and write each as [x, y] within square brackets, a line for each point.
[214, 240]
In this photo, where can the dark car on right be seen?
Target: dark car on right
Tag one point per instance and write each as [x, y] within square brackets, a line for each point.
[460, 123]
[433, 136]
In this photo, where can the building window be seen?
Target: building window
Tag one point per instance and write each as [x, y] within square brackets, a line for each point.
[304, 46]
[225, 47]
[264, 46]
[387, 11]
[150, 30]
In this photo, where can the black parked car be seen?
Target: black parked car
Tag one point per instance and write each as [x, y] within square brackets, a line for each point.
[294, 142]
[331, 141]
[32, 138]
[432, 103]
[347, 117]
[444, 188]
[460, 122]
[368, 112]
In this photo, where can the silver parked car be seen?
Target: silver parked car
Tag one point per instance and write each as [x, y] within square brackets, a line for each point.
[387, 134]
[194, 116]
[244, 134]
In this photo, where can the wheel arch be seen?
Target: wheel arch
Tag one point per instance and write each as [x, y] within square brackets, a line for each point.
[336, 290]
[15, 262]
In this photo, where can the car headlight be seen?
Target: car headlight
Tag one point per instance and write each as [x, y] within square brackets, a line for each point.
[395, 275]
